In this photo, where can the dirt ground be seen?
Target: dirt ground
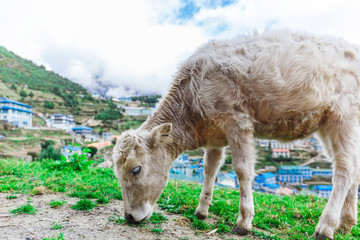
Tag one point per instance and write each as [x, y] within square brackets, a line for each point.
[93, 224]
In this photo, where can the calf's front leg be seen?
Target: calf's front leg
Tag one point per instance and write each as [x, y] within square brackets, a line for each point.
[244, 157]
[213, 159]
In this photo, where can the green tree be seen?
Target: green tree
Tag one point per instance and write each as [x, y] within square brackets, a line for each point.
[31, 94]
[13, 87]
[23, 93]
[49, 105]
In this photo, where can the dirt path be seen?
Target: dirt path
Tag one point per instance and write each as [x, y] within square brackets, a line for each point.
[92, 224]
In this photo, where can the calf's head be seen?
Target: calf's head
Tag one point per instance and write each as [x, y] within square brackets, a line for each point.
[141, 163]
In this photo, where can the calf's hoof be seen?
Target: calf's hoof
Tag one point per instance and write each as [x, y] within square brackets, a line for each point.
[240, 230]
[200, 215]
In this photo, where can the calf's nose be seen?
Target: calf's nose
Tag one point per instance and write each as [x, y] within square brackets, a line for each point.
[129, 218]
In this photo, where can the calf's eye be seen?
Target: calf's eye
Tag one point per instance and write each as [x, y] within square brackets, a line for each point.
[136, 170]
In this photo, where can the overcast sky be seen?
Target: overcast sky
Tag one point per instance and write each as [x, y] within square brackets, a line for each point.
[137, 45]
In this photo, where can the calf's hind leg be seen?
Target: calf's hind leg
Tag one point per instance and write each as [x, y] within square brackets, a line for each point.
[342, 141]
[349, 210]
[213, 160]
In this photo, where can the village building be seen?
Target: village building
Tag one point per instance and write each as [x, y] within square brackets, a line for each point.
[289, 174]
[85, 132]
[61, 121]
[322, 172]
[16, 113]
[138, 111]
[264, 178]
[323, 190]
[272, 188]
[106, 136]
[280, 145]
[277, 152]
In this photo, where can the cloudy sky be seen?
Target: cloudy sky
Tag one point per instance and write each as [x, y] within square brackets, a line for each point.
[136, 46]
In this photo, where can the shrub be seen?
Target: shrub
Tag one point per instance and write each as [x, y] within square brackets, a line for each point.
[50, 153]
[93, 150]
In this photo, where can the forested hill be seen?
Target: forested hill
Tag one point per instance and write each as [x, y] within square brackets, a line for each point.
[22, 80]
[18, 71]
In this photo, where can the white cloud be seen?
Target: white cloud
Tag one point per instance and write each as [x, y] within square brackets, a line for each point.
[137, 45]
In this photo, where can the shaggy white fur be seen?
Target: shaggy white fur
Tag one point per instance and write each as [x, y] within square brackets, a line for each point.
[278, 85]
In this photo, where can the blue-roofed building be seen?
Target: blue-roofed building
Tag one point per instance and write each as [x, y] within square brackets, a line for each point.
[289, 174]
[264, 178]
[183, 157]
[180, 167]
[322, 172]
[16, 113]
[270, 188]
[86, 132]
[82, 130]
[323, 190]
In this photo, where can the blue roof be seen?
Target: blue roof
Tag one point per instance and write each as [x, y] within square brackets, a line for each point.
[5, 100]
[323, 187]
[81, 128]
[18, 109]
[72, 148]
[272, 185]
[266, 175]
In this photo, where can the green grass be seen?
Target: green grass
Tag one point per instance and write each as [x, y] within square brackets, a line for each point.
[56, 237]
[84, 205]
[25, 209]
[11, 197]
[56, 226]
[276, 217]
[56, 203]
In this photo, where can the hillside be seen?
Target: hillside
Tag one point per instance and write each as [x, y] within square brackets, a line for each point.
[36, 184]
[22, 80]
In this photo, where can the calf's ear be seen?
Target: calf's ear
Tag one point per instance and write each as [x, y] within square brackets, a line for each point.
[161, 134]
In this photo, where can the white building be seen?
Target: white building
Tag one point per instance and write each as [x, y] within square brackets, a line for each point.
[280, 152]
[137, 111]
[281, 145]
[16, 113]
[61, 121]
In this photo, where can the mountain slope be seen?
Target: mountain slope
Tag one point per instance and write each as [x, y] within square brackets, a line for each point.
[22, 80]
[15, 70]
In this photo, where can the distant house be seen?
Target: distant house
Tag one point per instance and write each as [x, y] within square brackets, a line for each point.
[179, 167]
[263, 143]
[289, 174]
[322, 172]
[107, 136]
[137, 111]
[85, 132]
[264, 178]
[70, 150]
[277, 152]
[183, 157]
[323, 190]
[61, 121]
[281, 145]
[124, 99]
[16, 113]
[270, 188]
